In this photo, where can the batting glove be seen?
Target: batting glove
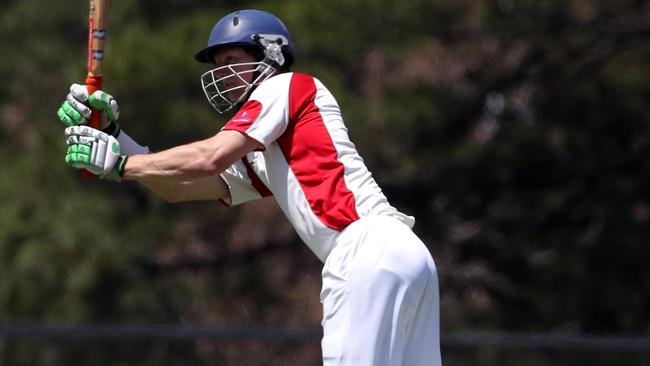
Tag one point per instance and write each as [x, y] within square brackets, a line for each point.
[95, 151]
[75, 109]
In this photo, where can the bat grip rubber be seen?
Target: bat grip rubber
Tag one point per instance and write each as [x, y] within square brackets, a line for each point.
[93, 83]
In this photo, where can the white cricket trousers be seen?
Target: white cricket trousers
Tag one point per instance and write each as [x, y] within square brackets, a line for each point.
[380, 298]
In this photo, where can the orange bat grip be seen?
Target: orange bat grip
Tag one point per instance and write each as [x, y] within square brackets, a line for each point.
[93, 83]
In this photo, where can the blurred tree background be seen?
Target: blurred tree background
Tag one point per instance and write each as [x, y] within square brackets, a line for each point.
[517, 132]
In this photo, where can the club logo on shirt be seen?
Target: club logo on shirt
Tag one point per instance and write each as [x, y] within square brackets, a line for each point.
[241, 118]
[249, 112]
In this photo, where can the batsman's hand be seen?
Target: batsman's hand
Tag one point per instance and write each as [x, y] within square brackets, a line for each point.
[94, 151]
[75, 109]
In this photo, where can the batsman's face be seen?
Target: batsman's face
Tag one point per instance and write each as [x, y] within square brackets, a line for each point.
[233, 74]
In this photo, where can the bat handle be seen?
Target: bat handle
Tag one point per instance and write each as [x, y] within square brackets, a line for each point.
[93, 83]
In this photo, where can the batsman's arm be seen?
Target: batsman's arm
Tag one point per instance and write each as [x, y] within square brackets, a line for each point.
[192, 161]
[190, 172]
[203, 189]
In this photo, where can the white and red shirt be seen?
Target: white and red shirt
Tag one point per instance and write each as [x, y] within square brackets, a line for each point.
[309, 165]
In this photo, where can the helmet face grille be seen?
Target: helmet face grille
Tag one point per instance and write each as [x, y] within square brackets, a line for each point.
[227, 86]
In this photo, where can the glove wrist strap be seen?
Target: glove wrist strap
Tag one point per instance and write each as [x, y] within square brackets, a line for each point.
[112, 129]
[121, 164]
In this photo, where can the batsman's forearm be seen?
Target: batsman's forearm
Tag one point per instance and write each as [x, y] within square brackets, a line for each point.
[179, 164]
[192, 161]
[209, 188]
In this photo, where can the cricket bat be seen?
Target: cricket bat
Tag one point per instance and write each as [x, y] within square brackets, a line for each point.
[97, 25]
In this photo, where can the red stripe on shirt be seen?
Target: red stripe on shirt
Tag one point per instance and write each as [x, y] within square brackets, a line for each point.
[257, 183]
[245, 117]
[241, 122]
[312, 156]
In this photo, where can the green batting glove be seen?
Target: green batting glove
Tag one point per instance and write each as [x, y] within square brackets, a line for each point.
[95, 151]
[104, 102]
[75, 109]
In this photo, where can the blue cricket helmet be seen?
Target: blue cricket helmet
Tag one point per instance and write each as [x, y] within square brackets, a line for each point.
[242, 28]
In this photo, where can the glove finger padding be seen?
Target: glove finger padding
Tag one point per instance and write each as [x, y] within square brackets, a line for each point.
[94, 151]
[73, 111]
[79, 92]
[77, 98]
[76, 111]
[82, 132]
[77, 106]
[105, 102]
[78, 155]
[64, 114]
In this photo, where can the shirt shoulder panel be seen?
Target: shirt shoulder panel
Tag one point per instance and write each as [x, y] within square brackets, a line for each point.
[265, 115]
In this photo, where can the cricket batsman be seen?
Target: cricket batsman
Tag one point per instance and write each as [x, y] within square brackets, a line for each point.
[287, 139]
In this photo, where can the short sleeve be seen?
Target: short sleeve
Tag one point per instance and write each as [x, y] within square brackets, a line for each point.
[239, 184]
[265, 116]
